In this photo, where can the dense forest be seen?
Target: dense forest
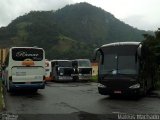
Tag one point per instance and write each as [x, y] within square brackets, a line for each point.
[71, 32]
[153, 43]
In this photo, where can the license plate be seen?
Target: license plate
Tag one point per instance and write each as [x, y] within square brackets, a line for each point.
[20, 73]
[117, 92]
[74, 74]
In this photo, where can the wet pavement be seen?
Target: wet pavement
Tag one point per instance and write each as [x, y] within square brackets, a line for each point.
[76, 101]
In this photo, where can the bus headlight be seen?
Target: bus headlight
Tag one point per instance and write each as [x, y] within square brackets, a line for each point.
[101, 85]
[61, 73]
[135, 86]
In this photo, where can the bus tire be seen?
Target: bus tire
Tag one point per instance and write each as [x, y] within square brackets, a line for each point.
[75, 78]
[144, 90]
[34, 90]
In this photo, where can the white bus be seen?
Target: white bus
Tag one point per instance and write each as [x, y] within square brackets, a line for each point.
[24, 68]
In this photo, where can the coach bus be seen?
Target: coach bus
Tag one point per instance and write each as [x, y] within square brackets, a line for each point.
[62, 70]
[125, 68]
[24, 68]
[82, 69]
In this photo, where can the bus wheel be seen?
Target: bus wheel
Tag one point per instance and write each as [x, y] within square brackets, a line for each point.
[34, 90]
[145, 90]
[75, 79]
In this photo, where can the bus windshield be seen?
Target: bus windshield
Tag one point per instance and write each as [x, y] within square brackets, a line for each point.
[119, 62]
[20, 54]
[84, 63]
[65, 63]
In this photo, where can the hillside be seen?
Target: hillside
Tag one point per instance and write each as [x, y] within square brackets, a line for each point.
[94, 25]
[71, 32]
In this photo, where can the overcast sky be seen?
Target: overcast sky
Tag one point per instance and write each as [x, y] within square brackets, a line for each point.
[142, 14]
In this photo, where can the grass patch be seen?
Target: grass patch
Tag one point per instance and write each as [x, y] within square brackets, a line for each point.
[94, 78]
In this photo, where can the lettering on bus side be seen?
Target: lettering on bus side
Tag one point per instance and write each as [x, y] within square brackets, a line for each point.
[24, 54]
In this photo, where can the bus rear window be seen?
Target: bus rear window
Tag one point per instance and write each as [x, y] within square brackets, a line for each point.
[20, 54]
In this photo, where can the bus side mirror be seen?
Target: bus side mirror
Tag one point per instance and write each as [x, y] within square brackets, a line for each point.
[139, 51]
[56, 66]
[98, 52]
[95, 54]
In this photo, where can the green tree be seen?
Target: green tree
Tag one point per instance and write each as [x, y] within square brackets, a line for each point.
[153, 43]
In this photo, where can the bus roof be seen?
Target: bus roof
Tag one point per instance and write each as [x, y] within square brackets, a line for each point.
[26, 47]
[120, 43]
[82, 59]
[59, 60]
[120, 47]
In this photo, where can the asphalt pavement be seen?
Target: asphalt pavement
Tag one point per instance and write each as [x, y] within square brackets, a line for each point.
[77, 101]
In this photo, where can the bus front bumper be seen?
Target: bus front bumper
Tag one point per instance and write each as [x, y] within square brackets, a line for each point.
[103, 90]
[63, 78]
[39, 85]
[84, 76]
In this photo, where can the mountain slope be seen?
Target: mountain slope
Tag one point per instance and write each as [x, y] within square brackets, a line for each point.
[94, 25]
[71, 32]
